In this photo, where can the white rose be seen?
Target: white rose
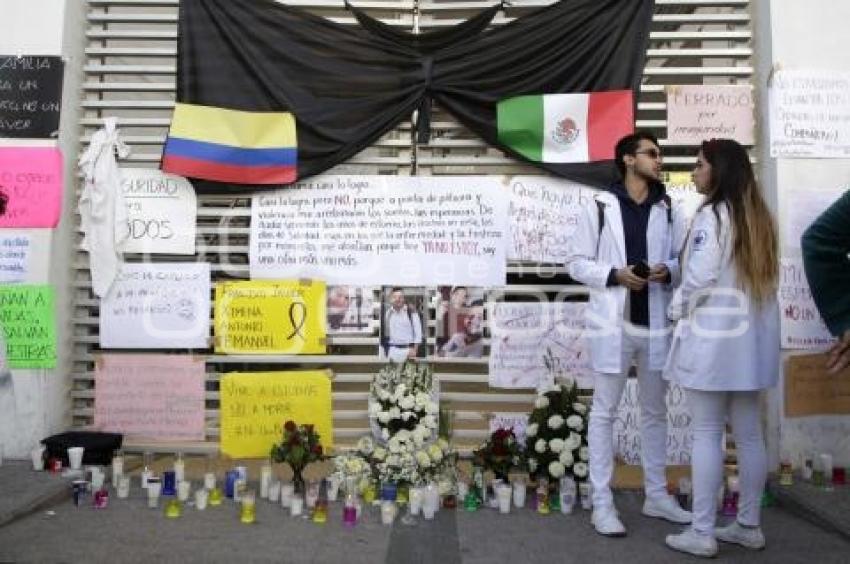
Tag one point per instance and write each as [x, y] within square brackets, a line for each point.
[383, 395]
[395, 413]
[407, 402]
[573, 441]
[580, 408]
[555, 422]
[584, 453]
[531, 430]
[556, 469]
[393, 460]
[384, 417]
[365, 445]
[575, 422]
[423, 459]
[540, 446]
[403, 435]
[532, 464]
[566, 458]
[435, 453]
[580, 469]
[556, 445]
[379, 453]
[541, 402]
[394, 445]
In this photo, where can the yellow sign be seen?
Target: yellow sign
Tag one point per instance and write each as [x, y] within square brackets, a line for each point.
[279, 317]
[677, 179]
[255, 405]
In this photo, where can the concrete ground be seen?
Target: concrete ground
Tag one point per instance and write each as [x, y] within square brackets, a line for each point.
[54, 530]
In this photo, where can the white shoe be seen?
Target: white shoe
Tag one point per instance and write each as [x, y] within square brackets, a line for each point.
[694, 543]
[666, 507]
[750, 537]
[606, 522]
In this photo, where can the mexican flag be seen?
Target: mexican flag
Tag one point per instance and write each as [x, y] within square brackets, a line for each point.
[566, 128]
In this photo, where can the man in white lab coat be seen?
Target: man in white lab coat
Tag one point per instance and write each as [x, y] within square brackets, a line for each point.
[625, 250]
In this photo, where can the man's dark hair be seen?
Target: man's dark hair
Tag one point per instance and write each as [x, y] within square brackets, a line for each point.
[4, 200]
[396, 289]
[627, 146]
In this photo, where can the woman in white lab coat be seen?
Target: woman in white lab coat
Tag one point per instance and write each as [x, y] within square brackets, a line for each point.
[726, 344]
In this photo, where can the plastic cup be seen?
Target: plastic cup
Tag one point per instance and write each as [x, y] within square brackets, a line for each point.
[75, 457]
[503, 494]
[37, 455]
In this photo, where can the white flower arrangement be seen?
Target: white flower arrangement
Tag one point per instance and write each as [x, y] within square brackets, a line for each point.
[555, 422]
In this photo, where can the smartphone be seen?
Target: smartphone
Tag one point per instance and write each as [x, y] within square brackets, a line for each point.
[641, 270]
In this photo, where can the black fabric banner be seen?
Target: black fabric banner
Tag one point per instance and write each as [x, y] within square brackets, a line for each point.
[347, 85]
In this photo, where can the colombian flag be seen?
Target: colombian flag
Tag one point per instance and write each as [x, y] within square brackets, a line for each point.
[231, 146]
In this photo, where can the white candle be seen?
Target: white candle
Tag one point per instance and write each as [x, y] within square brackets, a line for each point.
[274, 491]
[123, 487]
[37, 455]
[117, 468]
[432, 497]
[265, 480]
[462, 490]
[286, 491]
[201, 497]
[97, 479]
[154, 487]
[416, 494]
[333, 487]
[183, 489]
[503, 494]
[519, 493]
[209, 480]
[296, 505]
[179, 469]
[146, 476]
[388, 510]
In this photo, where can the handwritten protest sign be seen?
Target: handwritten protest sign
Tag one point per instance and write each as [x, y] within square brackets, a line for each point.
[31, 184]
[810, 390]
[696, 112]
[161, 212]
[801, 326]
[516, 421]
[281, 317]
[810, 114]
[543, 213]
[627, 426]
[27, 320]
[374, 230]
[157, 306]
[802, 207]
[30, 96]
[523, 333]
[150, 395]
[254, 407]
[14, 257]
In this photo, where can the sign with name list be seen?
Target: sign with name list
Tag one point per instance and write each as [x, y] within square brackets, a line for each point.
[382, 230]
[523, 335]
[801, 326]
[30, 96]
[810, 390]
[161, 212]
[627, 444]
[802, 207]
[27, 319]
[156, 396]
[543, 213]
[14, 257]
[696, 112]
[810, 114]
[31, 186]
[157, 306]
[280, 317]
[516, 421]
[254, 407]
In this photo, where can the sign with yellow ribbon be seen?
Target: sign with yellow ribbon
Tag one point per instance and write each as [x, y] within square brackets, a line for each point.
[255, 405]
[270, 317]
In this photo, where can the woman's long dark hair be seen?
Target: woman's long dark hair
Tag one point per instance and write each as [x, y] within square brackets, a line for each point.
[754, 242]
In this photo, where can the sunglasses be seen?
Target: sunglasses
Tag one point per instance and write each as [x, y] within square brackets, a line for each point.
[651, 153]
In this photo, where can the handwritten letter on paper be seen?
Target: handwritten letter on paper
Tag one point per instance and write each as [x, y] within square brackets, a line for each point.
[31, 184]
[157, 306]
[375, 230]
[522, 333]
[27, 319]
[281, 317]
[801, 325]
[254, 407]
[161, 212]
[150, 395]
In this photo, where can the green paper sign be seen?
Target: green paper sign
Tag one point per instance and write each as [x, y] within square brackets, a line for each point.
[27, 320]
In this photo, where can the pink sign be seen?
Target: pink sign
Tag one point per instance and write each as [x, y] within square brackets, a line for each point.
[31, 184]
[697, 112]
[150, 395]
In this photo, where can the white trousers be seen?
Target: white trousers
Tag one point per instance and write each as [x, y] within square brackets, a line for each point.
[607, 392]
[710, 411]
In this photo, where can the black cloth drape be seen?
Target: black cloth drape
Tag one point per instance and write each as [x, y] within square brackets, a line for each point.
[347, 85]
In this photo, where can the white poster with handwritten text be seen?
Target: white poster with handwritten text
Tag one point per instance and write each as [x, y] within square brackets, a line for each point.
[810, 114]
[696, 112]
[543, 214]
[157, 306]
[15, 251]
[379, 230]
[801, 326]
[801, 208]
[523, 335]
[161, 212]
[627, 426]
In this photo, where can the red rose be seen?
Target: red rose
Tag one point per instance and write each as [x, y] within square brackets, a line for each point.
[317, 450]
[289, 426]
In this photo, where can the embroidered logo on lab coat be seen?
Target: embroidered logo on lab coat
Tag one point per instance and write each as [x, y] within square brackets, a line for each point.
[700, 237]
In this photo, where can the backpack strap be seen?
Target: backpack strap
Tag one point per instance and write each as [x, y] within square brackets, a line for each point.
[600, 209]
